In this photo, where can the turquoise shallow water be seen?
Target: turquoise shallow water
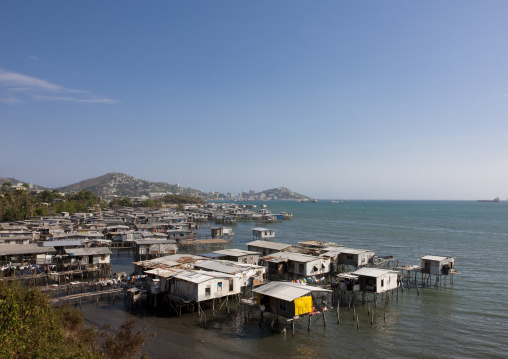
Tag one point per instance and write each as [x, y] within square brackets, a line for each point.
[466, 319]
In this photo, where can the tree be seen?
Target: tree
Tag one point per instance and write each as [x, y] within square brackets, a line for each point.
[31, 328]
[125, 202]
[153, 203]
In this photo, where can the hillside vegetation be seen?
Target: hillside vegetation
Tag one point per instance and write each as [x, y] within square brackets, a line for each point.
[17, 205]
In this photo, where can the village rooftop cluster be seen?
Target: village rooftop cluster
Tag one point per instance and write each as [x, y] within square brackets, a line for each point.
[289, 280]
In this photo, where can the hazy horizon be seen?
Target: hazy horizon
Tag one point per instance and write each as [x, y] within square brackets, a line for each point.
[331, 99]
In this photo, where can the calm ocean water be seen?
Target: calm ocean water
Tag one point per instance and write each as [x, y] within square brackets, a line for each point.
[468, 319]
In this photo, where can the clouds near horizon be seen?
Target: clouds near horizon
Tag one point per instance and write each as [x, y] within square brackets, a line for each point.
[16, 88]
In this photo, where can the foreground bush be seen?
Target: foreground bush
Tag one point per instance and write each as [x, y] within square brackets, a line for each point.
[31, 328]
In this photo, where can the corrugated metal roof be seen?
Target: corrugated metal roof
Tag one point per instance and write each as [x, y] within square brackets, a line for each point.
[373, 272]
[333, 248]
[330, 254]
[222, 266]
[212, 255]
[353, 251]
[164, 273]
[435, 258]
[286, 290]
[269, 245]
[32, 248]
[162, 265]
[155, 241]
[169, 261]
[234, 252]
[296, 257]
[74, 234]
[13, 238]
[199, 276]
[88, 251]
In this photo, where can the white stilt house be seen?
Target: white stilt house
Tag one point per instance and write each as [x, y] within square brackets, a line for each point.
[263, 234]
[377, 280]
[437, 265]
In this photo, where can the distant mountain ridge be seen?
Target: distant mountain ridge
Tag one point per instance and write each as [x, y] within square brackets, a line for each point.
[279, 193]
[15, 181]
[114, 184]
[121, 185]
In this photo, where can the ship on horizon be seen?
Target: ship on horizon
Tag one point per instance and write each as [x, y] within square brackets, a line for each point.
[497, 199]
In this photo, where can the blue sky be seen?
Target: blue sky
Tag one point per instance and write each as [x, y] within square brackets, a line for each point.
[332, 99]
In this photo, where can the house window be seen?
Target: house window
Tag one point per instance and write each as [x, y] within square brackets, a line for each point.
[382, 282]
[207, 291]
[283, 305]
[231, 287]
[219, 286]
[349, 256]
[302, 268]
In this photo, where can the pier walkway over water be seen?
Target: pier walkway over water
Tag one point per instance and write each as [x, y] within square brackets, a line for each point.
[79, 296]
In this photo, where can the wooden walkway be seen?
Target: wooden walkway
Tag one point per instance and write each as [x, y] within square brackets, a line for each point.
[84, 295]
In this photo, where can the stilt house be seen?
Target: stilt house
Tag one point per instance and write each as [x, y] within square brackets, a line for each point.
[265, 234]
[267, 247]
[437, 265]
[290, 299]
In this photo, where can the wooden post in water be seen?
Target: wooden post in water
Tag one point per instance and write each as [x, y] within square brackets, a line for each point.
[354, 312]
[372, 318]
[357, 323]
[324, 318]
[308, 328]
[338, 314]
